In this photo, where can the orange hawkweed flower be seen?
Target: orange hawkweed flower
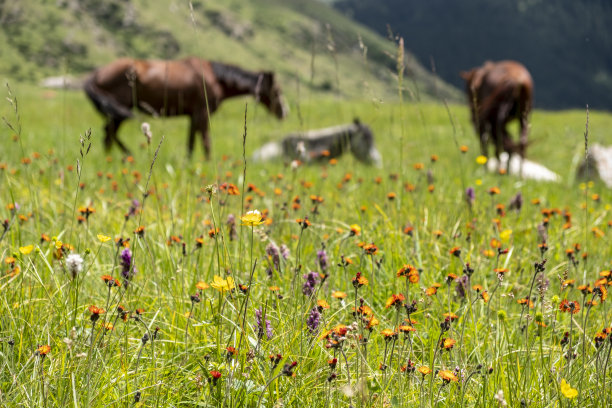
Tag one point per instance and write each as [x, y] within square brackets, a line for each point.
[430, 291]
[304, 223]
[372, 322]
[406, 329]
[451, 316]
[477, 288]
[395, 300]
[489, 253]
[601, 291]
[450, 278]
[424, 370]
[572, 307]
[388, 334]
[340, 330]
[215, 375]
[455, 251]
[500, 271]
[110, 281]
[43, 350]
[322, 304]
[364, 310]
[359, 281]
[202, 285]
[232, 190]
[494, 190]
[96, 310]
[568, 282]
[485, 296]
[525, 301]
[338, 294]
[370, 249]
[447, 376]
[405, 270]
[447, 343]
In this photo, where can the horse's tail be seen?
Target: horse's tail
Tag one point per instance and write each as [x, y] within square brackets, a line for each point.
[105, 103]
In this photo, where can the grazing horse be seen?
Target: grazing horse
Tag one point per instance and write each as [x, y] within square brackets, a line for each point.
[324, 144]
[498, 93]
[192, 87]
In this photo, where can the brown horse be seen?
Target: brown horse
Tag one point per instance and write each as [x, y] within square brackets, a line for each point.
[192, 87]
[498, 93]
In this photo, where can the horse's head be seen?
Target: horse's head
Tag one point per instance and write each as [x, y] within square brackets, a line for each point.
[268, 92]
[362, 145]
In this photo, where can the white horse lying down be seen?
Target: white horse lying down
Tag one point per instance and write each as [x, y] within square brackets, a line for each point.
[324, 144]
[530, 170]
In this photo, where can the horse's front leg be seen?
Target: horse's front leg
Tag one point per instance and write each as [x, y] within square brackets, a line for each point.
[484, 139]
[199, 123]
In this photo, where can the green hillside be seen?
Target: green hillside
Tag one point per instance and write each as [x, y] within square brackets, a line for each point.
[302, 40]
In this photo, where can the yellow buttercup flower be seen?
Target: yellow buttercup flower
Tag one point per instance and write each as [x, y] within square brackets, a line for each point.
[505, 235]
[25, 250]
[252, 218]
[223, 285]
[567, 390]
[103, 238]
[481, 159]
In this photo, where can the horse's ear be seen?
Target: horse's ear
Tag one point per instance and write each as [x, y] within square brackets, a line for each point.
[467, 75]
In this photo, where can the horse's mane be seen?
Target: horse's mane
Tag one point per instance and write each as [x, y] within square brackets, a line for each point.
[231, 74]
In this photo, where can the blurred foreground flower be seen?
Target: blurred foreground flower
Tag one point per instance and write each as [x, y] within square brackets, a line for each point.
[567, 390]
[103, 238]
[252, 218]
[25, 250]
[223, 285]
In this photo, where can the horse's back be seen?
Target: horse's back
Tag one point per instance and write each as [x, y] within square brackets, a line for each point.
[114, 73]
[508, 73]
[504, 86]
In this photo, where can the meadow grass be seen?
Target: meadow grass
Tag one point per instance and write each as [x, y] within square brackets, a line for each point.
[168, 231]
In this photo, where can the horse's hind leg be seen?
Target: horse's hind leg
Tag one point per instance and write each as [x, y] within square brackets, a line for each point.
[200, 124]
[191, 136]
[523, 135]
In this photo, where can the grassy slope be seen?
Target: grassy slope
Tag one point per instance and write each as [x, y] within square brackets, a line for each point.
[44, 39]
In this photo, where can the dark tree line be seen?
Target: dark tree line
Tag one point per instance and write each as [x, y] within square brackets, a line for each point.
[566, 44]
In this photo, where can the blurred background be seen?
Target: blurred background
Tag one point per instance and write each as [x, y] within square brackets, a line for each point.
[347, 47]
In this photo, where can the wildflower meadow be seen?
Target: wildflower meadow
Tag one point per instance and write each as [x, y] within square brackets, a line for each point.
[156, 280]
